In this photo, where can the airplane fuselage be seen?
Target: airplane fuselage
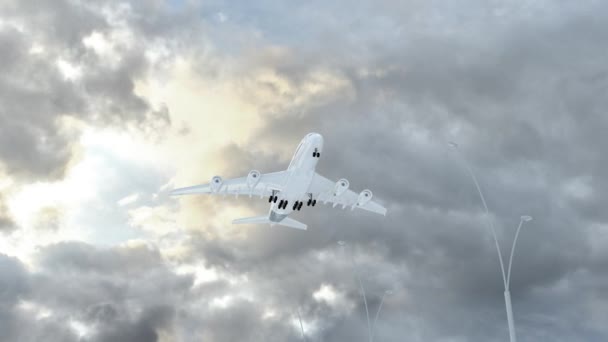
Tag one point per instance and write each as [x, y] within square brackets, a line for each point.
[301, 172]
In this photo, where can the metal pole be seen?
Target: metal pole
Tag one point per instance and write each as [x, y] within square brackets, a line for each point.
[362, 290]
[489, 220]
[510, 321]
[506, 278]
[301, 325]
[522, 219]
[378, 312]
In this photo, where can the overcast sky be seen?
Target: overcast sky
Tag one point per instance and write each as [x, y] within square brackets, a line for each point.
[106, 106]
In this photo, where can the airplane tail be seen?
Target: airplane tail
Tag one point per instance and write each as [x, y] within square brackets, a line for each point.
[291, 223]
[287, 222]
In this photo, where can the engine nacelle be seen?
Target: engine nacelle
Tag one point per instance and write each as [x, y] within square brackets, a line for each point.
[364, 197]
[253, 178]
[341, 187]
[216, 183]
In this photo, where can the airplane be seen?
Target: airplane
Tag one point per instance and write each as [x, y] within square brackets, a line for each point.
[288, 190]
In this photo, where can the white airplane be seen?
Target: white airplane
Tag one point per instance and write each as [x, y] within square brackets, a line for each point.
[287, 191]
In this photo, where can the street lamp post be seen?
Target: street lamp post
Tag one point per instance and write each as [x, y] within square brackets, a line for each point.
[386, 293]
[506, 277]
[362, 290]
[301, 325]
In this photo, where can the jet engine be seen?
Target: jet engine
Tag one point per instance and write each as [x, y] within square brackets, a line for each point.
[341, 187]
[253, 178]
[364, 197]
[216, 183]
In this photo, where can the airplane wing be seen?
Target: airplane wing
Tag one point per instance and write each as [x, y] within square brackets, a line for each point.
[258, 184]
[327, 191]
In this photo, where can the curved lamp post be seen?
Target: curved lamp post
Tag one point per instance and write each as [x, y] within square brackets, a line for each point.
[342, 244]
[386, 293]
[301, 325]
[506, 277]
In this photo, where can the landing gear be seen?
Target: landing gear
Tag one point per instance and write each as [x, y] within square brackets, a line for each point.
[311, 201]
[297, 206]
[285, 204]
[273, 197]
[281, 204]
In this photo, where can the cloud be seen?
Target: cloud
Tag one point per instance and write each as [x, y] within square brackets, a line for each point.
[38, 94]
[186, 96]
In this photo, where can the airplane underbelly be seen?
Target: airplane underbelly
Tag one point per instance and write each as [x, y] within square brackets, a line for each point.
[296, 188]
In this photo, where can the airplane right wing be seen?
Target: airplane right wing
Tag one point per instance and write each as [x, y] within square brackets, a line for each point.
[337, 193]
[255, 183]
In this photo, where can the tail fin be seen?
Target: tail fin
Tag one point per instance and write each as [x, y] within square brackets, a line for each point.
[287, 222]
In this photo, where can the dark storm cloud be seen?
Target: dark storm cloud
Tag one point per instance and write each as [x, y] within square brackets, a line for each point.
[525, 100]
[520, 86]
[6, 221]
[14, 284]
[36, 96]
[124, 294]
[119, 294]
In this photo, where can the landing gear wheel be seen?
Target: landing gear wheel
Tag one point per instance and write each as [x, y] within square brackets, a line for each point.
[300, 205]
[314, 202]
[281, 204]
[270, 199]
[285, 204]
[275, 199]
[318, 154]
[295, 206]
[309, 202]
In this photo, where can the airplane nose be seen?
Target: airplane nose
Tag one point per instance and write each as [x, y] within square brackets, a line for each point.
[316, 137]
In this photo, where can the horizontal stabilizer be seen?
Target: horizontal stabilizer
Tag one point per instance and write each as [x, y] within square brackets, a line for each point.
[252, 220]
[291, 223]
[287, 222]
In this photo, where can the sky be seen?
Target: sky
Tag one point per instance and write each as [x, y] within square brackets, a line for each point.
[106, 106]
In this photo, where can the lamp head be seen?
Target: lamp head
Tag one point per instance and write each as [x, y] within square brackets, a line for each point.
[526, 218]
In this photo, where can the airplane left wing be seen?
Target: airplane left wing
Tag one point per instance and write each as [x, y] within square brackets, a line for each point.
[256, 183]
[337, 193]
